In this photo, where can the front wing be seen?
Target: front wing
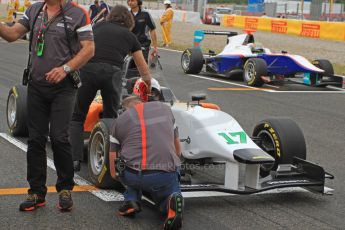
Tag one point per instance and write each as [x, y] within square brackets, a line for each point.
[301, 173]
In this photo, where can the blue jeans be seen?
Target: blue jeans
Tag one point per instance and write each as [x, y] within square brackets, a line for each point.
[160, 185]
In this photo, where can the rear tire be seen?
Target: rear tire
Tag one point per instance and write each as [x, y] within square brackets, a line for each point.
[16, 110]
[254, 69]
[98, 156]
[282, 139]
[192, 61]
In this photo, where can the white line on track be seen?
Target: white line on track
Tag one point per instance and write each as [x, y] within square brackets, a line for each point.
[176, 51]
[267, 90]
[229, 83]
[311, 92]
[105, 195]
[112, 195]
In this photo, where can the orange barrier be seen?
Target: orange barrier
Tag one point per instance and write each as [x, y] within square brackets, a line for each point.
[313, 29]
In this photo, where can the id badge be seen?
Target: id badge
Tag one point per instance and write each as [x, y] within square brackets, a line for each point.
[39, 49]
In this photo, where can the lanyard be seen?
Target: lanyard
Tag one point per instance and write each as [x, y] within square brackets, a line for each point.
[45, 23]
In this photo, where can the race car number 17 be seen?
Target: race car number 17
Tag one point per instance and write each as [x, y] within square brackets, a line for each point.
[234, 138]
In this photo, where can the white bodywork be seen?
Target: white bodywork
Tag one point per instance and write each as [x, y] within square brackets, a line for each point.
[236, 46]
[202, 127]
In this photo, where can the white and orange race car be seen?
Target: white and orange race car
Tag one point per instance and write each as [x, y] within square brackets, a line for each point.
[273, 156]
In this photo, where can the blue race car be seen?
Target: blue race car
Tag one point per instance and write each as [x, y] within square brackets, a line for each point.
[257, 64]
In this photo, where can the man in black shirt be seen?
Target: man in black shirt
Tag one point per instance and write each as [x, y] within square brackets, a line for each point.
[145, 28]
[113, 41]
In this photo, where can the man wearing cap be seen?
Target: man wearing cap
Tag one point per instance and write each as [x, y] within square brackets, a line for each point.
[166, 23]
[145, 138]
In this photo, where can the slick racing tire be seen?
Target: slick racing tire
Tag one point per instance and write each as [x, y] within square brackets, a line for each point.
[254, 69]
[282, 139]
[16, 111]
[192, 61]
[325, 65]
[98, 156]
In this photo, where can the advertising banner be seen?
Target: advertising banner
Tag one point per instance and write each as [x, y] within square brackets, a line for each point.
[312, 29]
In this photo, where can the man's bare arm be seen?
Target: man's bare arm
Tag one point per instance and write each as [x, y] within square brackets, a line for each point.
[153, 36]
[83, 56]
[12, 33]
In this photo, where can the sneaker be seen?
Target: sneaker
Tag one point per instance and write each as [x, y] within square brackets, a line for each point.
[175, 209]
[65, 200]
[32, 202]
[129, 208]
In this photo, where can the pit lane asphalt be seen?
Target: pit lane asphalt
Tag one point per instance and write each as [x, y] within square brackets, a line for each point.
[321, 117]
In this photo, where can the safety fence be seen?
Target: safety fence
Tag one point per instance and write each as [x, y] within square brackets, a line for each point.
[313, 29]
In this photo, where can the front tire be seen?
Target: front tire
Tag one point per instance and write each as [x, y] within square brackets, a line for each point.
[192, 61]
[325, 65]
[98, 155]
[16, 111]
[282, 139]
[254, 69]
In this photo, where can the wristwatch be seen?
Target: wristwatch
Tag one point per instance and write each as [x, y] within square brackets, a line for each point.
[67, 69]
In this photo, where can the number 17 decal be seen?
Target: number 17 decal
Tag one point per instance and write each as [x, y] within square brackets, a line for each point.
[233, 138]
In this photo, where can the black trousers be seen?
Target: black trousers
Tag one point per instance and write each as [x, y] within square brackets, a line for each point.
[49, 110]
[146, 52]
[145, 48]
[94, 76]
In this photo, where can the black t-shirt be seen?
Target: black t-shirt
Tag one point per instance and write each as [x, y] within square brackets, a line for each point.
[113, 42]
[143, 24]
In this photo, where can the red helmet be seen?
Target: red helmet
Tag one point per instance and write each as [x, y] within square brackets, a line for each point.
[141, 89]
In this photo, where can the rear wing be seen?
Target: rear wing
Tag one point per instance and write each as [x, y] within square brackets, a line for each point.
[199, 35]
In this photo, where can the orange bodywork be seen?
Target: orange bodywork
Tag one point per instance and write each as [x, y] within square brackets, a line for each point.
[93, 115]
[96, 109]
[209, 105]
